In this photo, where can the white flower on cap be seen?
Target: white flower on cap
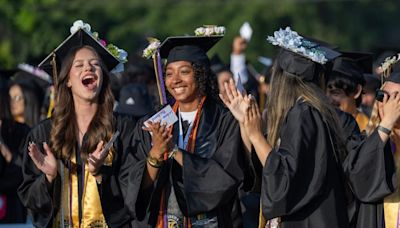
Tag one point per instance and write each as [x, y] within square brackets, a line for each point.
[210, 30]
[292, 41]
[150, 50]
[79, 24]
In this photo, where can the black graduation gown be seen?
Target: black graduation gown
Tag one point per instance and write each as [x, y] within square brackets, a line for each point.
[13, 135]
[43, 199]
[207, 182]
[370, 170]
[301, 181]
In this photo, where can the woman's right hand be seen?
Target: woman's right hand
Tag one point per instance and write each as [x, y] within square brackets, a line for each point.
[161, 139]
[235, 101]
[46, 162]
[389, 111]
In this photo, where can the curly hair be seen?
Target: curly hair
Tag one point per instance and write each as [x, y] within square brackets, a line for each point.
[206, 82]
[64, 129]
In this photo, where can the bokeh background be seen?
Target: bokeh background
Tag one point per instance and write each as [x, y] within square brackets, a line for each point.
[30, 29]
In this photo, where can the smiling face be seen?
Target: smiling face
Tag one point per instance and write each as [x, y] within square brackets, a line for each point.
[181, 83]
[85, 76]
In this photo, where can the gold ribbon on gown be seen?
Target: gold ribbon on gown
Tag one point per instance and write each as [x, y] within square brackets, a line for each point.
[92, 213]
[391, 202]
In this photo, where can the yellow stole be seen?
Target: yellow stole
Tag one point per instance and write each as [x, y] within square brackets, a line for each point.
[391, 202]
[92, 213]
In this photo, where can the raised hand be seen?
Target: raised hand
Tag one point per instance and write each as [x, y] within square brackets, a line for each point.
[252, 121]
[389, 110]
[161, 139]
[235, 101]
[45, 162]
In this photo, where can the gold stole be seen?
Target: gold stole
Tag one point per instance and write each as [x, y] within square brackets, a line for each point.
[92, 213]
[362, 120]
[391, 202]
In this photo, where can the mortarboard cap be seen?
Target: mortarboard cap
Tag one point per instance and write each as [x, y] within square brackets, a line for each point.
[33, 79]
[5, 76]
[111, 55]
[217, 65]
[300, 56]
[188, 48]
[78, 39]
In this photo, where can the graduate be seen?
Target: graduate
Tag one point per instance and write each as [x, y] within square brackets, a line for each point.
[12, 135]
[69, 180]
[346, 81]
[302, 178]
[197, 184]
[388, 94]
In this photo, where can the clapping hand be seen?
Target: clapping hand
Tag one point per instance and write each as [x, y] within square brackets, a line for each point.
[235, 101]
[45, 162]
[161, 138]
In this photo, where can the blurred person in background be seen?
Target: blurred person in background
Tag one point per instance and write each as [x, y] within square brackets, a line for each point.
[372, 83]
[12, 135]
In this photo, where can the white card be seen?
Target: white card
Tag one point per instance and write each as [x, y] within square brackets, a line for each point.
[165, 115]
[246, 31]
[239, 85]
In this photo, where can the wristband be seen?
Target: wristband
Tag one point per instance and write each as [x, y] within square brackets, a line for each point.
[383, 129]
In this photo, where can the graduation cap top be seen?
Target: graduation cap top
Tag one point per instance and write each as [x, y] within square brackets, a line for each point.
[188, 48]
[5, 75]
[354, 65]
[217, 65]
[300, 56]
[391, 69]
[81, 36]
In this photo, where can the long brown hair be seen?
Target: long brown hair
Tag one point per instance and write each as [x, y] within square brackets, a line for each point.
[63, 140]
[286, 89]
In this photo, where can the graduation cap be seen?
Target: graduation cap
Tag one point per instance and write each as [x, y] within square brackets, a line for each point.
[32, 78]
[79, 38]
[354, 65]
[188, 48]
[301, 56]
[5, 76]
[394, 76]
[217, 65]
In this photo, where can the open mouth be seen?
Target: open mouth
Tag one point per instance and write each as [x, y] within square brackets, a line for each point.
[89, 81]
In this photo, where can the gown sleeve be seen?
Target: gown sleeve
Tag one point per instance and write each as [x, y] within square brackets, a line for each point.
[370, 169]
[35, 192]
[369, 185]
[139, 200]
[114, 179]
[295, 173]
[212, 175]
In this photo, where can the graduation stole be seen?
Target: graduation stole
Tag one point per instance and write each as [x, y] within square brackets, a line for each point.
[68, 215]
[162, 219]
[391, 203]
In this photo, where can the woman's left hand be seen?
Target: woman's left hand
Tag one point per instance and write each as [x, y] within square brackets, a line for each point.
[5, 152]
[96, 159]
[252, 121]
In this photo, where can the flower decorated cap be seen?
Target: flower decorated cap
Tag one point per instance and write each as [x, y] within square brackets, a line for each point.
[188, 48]
[34, 79]
[30, 73]
[353, 65]
[81, 35]
[391, 69]
[300, 56]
